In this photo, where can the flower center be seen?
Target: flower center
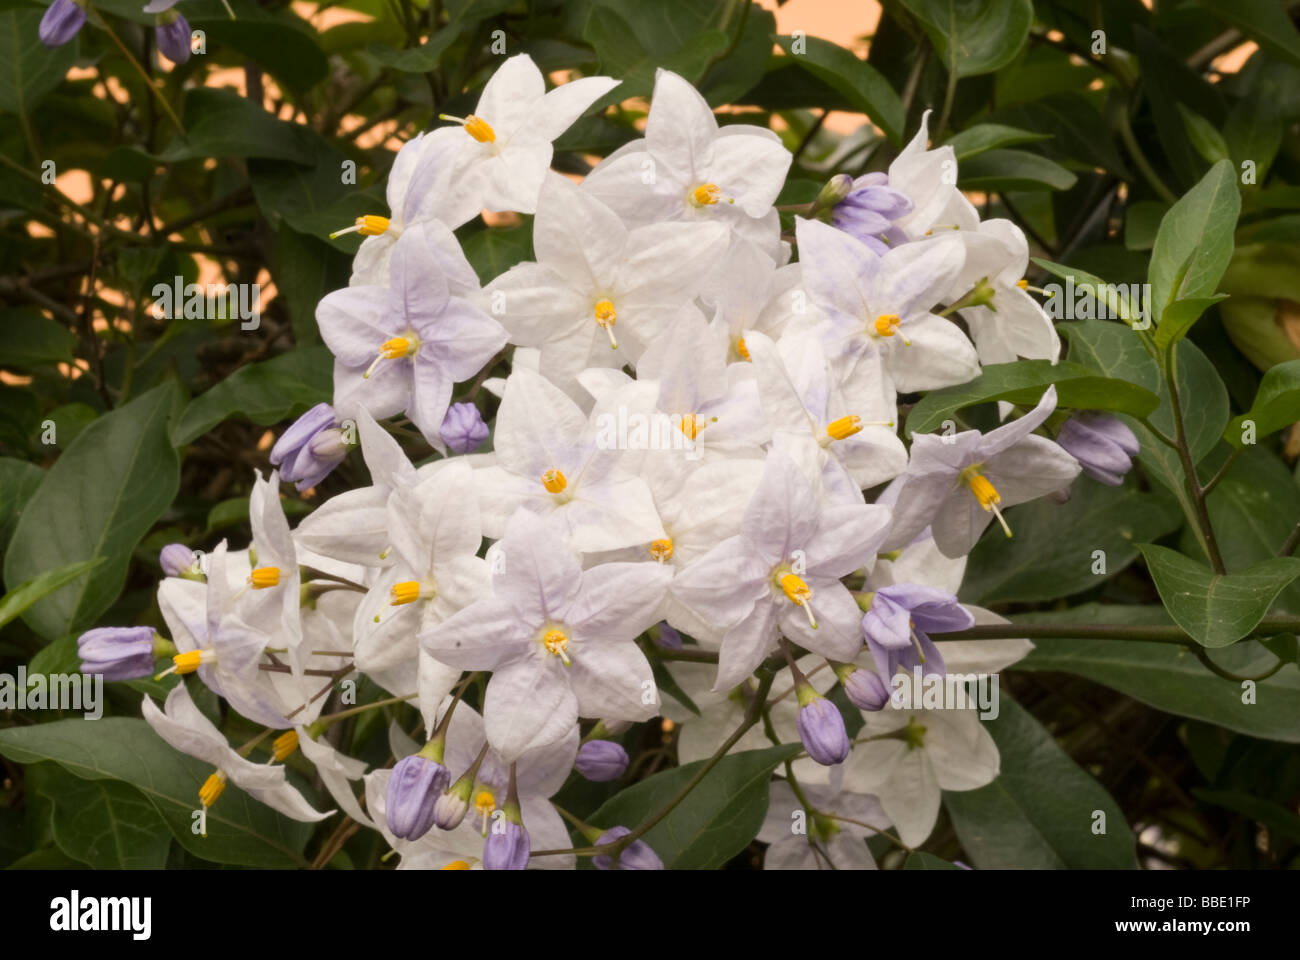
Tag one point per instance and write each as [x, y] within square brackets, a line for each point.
[985, 493]
[485, 802]
[606, 316]
[887, 324]
[264, 577]
[394, 349]
[706, 195]
[844, 427]
[556, 642]
[553, 480]
[407, 591]
[371, 225]
[662, 550]
[742, 349]
[476, 127]
[797, 592]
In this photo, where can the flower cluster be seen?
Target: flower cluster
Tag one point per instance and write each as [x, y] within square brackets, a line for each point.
[696, 448]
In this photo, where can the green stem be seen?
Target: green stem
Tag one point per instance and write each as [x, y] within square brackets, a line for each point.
[1193, 481]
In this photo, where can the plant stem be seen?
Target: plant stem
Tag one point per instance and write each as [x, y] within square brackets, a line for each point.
[1189, 467]
[148, 81]
[1292, 542]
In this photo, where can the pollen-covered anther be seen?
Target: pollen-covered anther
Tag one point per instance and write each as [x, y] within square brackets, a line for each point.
[556, 643]
[606, 316]
[212, 788]
[988, 497]
[263, 577]
[283, 746]
[691, 425]
[706, 195]
[844, 427]
[800, 594]
[484, 803]
[408, 591]
[476, 127]
[187, 662]
[1022, 284]
[888, 324]
[662, 550]
[457, 865]
[554, 482]
[743, 350]
[371, 225]
[392, 349]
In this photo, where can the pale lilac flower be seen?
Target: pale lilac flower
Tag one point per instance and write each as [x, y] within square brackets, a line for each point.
[178, 560]
[1103, 445]
[602, 760]
[311, 448]
[119, 653]
[463, 429]
[868, 212]
[821, 728]
[413, 790]
[898, 624]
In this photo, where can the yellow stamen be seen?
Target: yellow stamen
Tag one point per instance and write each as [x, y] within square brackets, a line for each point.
[987, 495]
[212, 788]
[283, 746]
[484, 804]
[606, 316]
[479, 129]
[187, 662]
[706, 195]
[556, 643]
[800, 594]
[844, 427]
[457, 865]
[691, 425]
[1022, 284]
[742, 349]
[371, 225]
[662, 550]
[264, 577]
[887, 324]
[408, 591]
[393, 349]
[553, 481]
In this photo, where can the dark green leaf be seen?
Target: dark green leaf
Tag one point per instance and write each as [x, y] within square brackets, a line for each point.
[1194, 244]
[103, 823]
[1277, 404]
[1001, 170]
[986, 136]
[974, 37]
[31, 339]
[859, 82]
[28, 68]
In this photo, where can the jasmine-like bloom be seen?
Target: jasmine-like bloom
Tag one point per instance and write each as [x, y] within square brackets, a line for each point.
[868, 211]
[637, 855]
[120, 653]
[957, 484]
[178, 560]
[413, 790]
[502, 151]
[182, 725]
[878, 322]
[598, 292]
[1012, 324]
[558, 639]
[688, 168]
[898, 624]
[821, 728]
[62, 21]
[402, 348]
[781, 574]
[463, 429]
[602, 760]
[1103, 445]
[928, 178]
[311, 448]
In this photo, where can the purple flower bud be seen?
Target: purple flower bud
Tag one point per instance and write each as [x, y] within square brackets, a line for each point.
[62, 20]
[668, 638]
[869, 210]
[1102, 444]
[173, 33]
[822, 730]
[463, 429]
[637, 855]
[508, 848]
[601, 760]
[177, 560]
[866, 690]
[413, 791]
[312, 447]
[119, 653]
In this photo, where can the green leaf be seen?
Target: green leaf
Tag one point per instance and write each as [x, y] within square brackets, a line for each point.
[98, 500]
[1142, 222]
[265, 393]
[1120, 300]
[920, 860]
[493, 251]
[1209, 143]
[1264, 21]
[1023, 382]
[986, 136]
[1039, 813]
[1254, 132]
[277, 41]
[859, 82]
[1276, 405]
[13, 603]
[974, 37]
[1168, 676]
[1180, 316]
[28, 68]
[717, 819]
[31, 339]
[419, 59]
[221, 123]
[632, 39]
[18, 481]
[240, 830]
[1195, 243]
[1216, 609]
[1001, 170]
[1053, 551]
[1276, 817]
[103, 823]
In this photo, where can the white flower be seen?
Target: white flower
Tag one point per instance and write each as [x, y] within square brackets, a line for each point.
[558, 639]
[598, 291]
[826, 841]
[1013, 324]
[501, 151]
[182, 725]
